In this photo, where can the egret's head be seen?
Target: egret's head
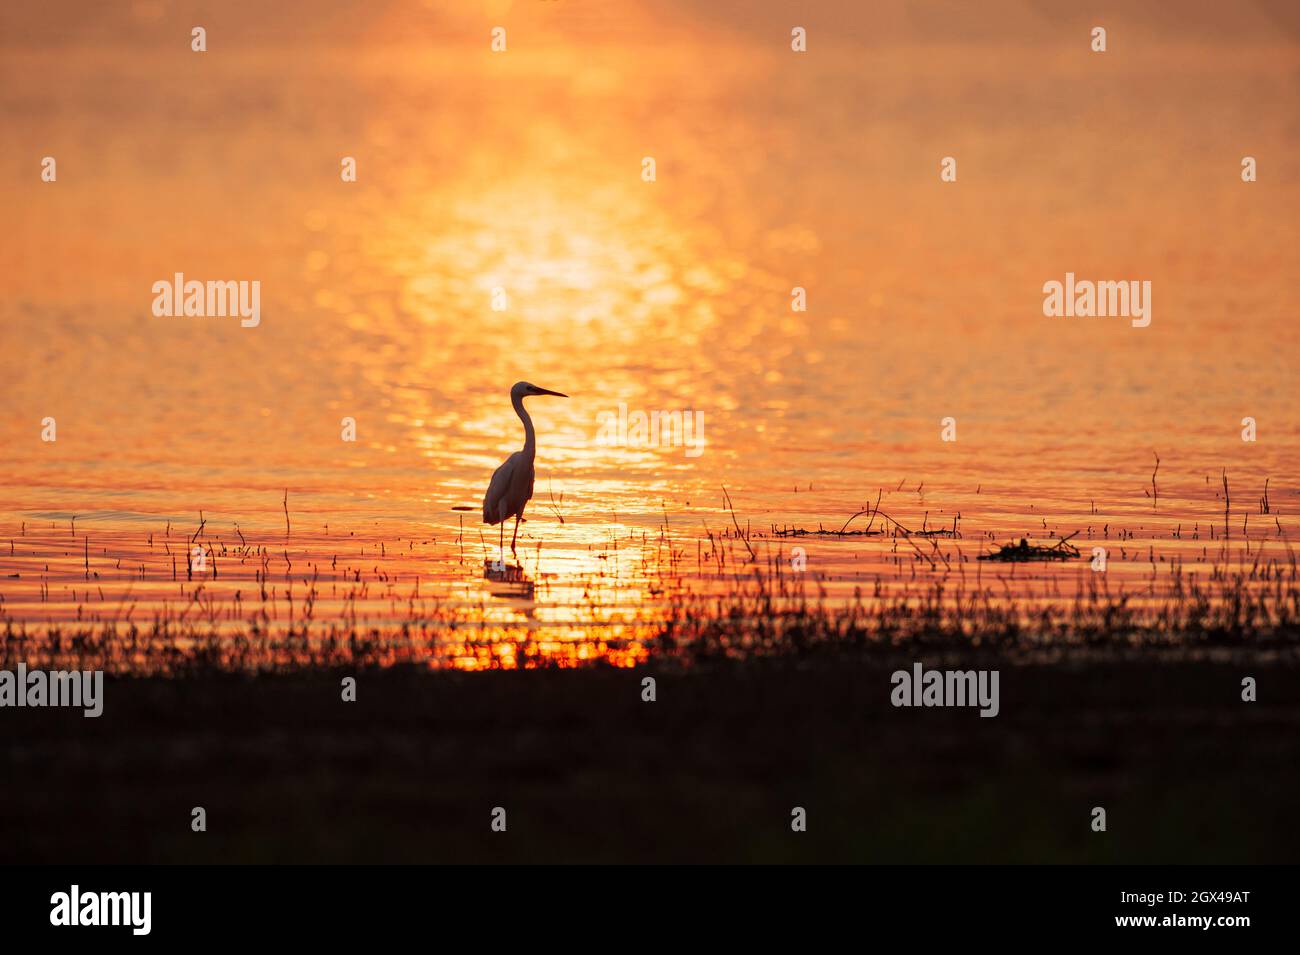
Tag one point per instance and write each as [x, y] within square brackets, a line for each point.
[523, 389]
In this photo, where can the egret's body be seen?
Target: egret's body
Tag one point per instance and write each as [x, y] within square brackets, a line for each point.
[511, 487]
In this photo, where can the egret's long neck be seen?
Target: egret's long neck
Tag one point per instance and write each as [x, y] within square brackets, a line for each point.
[530, 436]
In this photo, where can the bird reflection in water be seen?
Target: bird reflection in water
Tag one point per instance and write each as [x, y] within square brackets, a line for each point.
[516, 584]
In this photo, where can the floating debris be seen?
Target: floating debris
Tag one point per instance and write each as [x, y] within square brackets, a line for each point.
[804, 532]
[869, 531]
[1024, 551]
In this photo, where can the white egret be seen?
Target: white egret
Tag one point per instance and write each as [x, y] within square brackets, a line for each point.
[512, 483]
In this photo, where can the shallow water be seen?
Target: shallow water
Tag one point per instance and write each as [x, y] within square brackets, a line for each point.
[522, 171]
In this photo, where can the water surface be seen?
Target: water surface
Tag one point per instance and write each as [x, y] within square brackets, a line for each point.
[522, 172]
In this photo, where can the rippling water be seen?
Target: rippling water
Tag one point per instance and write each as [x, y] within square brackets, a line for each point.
[522, 172]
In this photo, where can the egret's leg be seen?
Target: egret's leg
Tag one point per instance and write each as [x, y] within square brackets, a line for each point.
[501, 543]
[516, 535]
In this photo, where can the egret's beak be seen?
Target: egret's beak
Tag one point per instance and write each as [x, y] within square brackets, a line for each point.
[543, 391]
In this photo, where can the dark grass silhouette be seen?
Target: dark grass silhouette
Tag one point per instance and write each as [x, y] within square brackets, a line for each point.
[768, 697]
[709, 772]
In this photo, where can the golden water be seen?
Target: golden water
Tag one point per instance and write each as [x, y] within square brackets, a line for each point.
[523, 171]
